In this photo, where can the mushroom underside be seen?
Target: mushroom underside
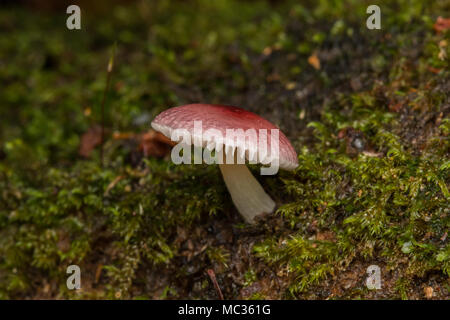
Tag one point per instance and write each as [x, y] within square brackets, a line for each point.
[247, 194]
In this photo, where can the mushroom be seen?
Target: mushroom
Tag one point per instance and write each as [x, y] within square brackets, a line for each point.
[234, 135]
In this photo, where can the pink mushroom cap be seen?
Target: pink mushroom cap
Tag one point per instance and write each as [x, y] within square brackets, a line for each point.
[220, 117]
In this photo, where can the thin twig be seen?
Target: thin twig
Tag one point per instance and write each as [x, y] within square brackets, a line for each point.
[105, 92]
[212, 276]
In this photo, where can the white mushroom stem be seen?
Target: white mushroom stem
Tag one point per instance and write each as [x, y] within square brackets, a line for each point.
[247, 194]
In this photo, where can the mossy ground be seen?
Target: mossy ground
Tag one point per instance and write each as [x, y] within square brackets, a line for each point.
[370, 125]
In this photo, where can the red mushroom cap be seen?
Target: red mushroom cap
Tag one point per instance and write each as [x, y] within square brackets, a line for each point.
[221, 118]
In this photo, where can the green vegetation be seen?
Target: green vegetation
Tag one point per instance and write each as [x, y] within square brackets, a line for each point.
[370, 124]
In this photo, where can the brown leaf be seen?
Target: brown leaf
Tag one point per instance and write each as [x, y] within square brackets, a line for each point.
[326, 235]
[212, 276]
[155, 144]
[314, 61]
[395, 107]
[98, 272]
[342, 133]
[63, 243]
[273, 77]
[428, 292]
[89, 140]
[151, 143]
[267, 51]
[441, 24]
[434, 70]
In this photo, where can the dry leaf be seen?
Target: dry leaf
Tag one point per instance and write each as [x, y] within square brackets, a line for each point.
[273, 77]
[155, 144]
[290, 86]
[267, 51]
[395, 107]
[428, 292]
[314, 61]
[151, 143]
[98, 272]
[89, 140]
[326, 235]
[441, 24]
[434, 70]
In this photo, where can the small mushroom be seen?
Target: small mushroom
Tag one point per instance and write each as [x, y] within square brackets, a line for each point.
[237, 135]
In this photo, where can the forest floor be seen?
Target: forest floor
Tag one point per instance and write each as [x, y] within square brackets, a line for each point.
[366, 110]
